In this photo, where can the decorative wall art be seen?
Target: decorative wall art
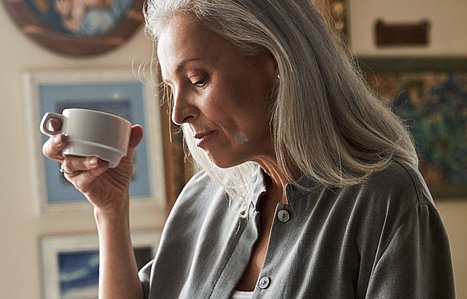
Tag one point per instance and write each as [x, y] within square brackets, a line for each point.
[336, 13]
[404, 28]
[70, 263]
[114, 91]
[77, 28]
[430, 95]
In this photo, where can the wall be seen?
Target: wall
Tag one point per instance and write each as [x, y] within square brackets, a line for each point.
[20, 229]
[447, 25]
[447, 38]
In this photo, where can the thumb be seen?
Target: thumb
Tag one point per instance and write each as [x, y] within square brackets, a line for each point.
[136, 135]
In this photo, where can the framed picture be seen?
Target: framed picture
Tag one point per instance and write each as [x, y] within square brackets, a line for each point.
[336, 13]
[401, 28]
[116, 91]
[430, 95]
[70, 263]
[77, 28]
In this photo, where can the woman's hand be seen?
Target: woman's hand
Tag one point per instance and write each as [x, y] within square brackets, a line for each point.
[106, 188]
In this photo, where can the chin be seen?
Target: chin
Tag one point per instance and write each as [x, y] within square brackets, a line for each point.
[225, 163]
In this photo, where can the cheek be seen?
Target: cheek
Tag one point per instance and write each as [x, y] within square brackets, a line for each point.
[241, 111]
[222, 105]
[241, 137]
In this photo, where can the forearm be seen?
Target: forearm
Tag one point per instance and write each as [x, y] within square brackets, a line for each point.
[118, 273]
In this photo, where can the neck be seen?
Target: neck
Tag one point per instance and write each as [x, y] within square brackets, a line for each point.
[276, 180]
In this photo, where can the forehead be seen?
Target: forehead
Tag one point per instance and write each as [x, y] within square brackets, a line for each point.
[180, 29]
[184, 38]
[180, 34]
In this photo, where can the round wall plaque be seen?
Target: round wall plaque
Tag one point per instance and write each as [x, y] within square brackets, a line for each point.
[77, 27]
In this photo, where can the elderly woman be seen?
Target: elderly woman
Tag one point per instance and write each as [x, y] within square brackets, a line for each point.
[308, 185]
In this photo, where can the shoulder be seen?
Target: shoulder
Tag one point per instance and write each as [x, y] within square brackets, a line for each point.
[200, 182]
[387, 197]
[391, 197]
[401, 182]
[199, 192]
[202, 202]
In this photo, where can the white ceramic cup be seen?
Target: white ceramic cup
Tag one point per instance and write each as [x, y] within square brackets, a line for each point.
[91, 133]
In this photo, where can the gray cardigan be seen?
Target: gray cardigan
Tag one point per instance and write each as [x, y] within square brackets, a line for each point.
[381, 239]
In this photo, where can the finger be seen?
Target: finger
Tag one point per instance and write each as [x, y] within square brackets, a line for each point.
[75, 164]
[136, 135]
[54, 146]
[90, 174]
[54, 124]
[82, 180]
[70, 175]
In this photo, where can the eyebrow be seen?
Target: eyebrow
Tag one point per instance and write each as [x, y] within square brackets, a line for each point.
[181, 65]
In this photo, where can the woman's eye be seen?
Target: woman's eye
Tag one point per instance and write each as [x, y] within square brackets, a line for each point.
[200, 83]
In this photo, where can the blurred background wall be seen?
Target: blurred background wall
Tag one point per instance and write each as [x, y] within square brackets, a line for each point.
[21, 228]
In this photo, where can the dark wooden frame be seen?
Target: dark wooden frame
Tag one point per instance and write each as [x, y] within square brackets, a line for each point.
[178, 165]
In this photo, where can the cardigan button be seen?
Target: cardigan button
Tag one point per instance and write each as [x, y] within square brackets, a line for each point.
[283, 216]
[264, 282]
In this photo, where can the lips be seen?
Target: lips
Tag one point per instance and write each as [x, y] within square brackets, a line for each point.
[202, 137]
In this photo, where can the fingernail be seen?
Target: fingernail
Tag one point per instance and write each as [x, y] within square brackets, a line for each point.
[93, 161]
[57, 139]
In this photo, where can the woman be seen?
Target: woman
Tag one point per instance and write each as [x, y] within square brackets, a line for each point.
[309, 185]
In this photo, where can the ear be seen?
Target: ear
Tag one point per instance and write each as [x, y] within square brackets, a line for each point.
[271, 64]
[266, 61]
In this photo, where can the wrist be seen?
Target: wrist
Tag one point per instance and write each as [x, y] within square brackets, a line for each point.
[112, 215]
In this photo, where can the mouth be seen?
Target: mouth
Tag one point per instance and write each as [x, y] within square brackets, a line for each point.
[202, 137]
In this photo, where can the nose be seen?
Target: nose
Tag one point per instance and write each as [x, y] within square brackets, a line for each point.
[182, 110]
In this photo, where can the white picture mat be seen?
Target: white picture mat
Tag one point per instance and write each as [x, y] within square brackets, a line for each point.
[52, 246]
[33, 79]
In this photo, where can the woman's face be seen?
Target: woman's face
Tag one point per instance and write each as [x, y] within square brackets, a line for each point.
[223, 96]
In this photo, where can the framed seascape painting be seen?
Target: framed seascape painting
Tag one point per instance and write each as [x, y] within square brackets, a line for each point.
[115, 91]
[430, 95]
[75, 27]
[70, 263]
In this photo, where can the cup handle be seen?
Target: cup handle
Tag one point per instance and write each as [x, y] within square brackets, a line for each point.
[45, 120]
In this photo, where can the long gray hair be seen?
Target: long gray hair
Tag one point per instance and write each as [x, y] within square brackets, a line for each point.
[325, 121]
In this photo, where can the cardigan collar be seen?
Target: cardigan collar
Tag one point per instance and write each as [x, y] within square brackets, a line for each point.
[302, 188]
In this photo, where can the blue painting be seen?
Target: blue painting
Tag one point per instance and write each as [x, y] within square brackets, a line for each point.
[434, 107]
[79, 272]
[125, 99]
